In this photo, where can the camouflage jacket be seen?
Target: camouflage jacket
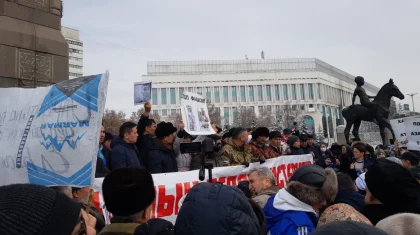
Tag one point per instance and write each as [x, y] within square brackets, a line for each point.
[230, 155]
[273, 152]
[258, 151]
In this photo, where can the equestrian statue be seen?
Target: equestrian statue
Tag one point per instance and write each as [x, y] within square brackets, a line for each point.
[376, 111]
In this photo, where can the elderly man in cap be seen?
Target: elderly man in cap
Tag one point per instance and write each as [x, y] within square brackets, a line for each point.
[295, 210]
[258, 148]
[275, 148]
[128, 194]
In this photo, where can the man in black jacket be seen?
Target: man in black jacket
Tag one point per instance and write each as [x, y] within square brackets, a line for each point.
[162, 157]
[146, 129]
[124, 151]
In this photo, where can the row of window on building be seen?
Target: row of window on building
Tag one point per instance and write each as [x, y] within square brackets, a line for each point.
[263, 93]
[75, 66]
[75, 58]
[74, 42]
[72, 50]
[75, 75]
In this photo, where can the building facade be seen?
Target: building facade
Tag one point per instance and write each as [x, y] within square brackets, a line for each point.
[318, 90]
[75, 52]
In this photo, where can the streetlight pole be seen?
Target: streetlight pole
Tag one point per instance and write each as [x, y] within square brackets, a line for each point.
[412, 100]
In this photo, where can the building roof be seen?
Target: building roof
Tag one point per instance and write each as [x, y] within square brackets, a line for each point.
[249, 66]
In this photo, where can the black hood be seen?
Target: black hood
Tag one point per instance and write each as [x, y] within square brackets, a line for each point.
[292, 140]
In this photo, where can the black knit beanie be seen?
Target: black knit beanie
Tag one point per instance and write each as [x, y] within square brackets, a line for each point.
[128, 191]
[393, 185]
[33, 209]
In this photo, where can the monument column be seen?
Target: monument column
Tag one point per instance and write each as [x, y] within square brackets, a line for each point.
[33, 52]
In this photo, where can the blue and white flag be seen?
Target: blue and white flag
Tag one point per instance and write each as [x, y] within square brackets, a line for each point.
[49, 135]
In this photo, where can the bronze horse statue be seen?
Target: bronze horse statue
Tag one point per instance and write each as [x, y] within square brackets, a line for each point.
[357, 113]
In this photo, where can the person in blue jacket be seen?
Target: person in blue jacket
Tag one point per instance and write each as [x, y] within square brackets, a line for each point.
[294, 211]
[124, 151]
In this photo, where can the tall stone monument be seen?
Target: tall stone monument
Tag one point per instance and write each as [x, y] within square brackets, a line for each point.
[33, 52]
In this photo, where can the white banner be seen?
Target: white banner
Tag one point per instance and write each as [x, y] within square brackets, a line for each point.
[171, 187]
[195, 114]
[399, 130]
[142, 92]
[49, 135]
[412, 127]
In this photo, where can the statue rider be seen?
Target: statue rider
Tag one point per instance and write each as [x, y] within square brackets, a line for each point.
[360, 91]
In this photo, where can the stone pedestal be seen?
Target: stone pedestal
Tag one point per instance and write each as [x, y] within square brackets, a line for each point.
[33, 52]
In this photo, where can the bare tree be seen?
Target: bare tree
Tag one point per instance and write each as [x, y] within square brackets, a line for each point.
[135, 116]
[175, 119]
[112, 120]
[214, 114]
[245, 117]
[266, 119]
[289, 114]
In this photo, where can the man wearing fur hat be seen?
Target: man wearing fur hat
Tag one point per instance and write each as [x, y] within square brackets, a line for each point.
[258, 148]
[295, 210]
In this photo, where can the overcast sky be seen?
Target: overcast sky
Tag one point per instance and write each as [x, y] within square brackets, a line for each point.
[378, 39]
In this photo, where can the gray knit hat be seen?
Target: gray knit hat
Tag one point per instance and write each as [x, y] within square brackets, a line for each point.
[34, 209]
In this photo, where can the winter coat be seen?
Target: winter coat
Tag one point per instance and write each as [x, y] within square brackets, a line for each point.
[144, 142]
[286, 215]
[124, 154]
[100, 220]
[152, 227]
[273, 152]
[376, 212]
[161, 159]
[183, 160]
[352, 198]
[210, 209]
[230, 155]
[265, 194]
[354, 174]
[258, 151]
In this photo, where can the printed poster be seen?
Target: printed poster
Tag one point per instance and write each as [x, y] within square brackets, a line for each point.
[412, 127]
[398, 126]
[49, 135]
[195, 114]
[142, 91]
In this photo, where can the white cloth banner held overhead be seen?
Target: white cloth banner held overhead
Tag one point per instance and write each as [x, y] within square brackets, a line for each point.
[49, 135]
[412, 127]
[142, 92]
[399, 130]
[171, 187]
[195, 114]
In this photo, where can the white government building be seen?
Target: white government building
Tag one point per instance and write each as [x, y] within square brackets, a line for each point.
[75, 52]
[320, 90]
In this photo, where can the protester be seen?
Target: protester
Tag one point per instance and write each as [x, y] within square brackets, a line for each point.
[295, 129]
[27, 209]
[236, 152]
[107, 141]
[257, 144]
[313, 148]
[124, 151]
[146, 129]
[348, 228]
[162, 157]
[347, 193]
[294, 146]
[380, 153]
[128, 194]
[275, 148]
[405, 223]
[360, 163]
[324, 154]
[103, 157]
[82, 196]
[286, 134]
[183, 160]
[262, 184]
[295, 210]
[304, 144]
[410, 160]
[390, 189]
[216, 209]
[341, 212]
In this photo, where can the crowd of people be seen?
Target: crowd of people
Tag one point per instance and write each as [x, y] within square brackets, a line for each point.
[349, 189]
